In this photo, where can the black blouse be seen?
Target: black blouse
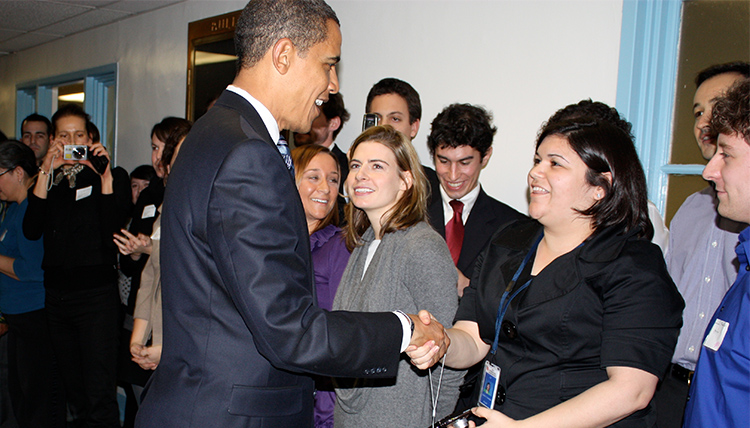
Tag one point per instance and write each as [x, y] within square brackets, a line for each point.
[77, 225]
[609, 302]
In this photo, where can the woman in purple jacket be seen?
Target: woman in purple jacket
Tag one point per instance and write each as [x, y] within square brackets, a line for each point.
[317, 176]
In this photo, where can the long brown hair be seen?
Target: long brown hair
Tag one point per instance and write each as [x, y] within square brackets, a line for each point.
[411, 208]
[301, 157]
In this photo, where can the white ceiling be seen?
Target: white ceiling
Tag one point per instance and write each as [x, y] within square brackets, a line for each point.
[28, 23]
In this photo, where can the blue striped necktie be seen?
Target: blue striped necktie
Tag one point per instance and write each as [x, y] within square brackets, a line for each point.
[283, 147]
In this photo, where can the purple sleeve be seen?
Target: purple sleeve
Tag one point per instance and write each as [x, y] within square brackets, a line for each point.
[329, 262]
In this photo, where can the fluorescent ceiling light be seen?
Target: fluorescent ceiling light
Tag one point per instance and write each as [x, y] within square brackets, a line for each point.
[204, 58]
[75, 97]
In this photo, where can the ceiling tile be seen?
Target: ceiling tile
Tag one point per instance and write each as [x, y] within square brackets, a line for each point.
[26, 41]
[31, 15]
[91, 19]
[140, 6]
[7, 34]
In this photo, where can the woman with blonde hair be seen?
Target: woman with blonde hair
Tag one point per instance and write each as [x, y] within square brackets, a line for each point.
[398, 262]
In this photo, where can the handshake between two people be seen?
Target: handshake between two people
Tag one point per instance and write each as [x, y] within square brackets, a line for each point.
[429, 342]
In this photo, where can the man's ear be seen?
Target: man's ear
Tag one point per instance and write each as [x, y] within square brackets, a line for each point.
[414, 129]
[282, 55]
[486, 158]
[334, 124]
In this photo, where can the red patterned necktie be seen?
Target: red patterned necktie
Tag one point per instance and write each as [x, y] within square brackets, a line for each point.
[454, 230]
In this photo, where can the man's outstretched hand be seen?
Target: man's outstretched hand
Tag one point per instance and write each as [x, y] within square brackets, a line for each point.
[429, 342]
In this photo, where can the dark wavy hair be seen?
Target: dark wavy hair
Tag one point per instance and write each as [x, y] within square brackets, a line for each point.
[334, 107]
[264, 22]
[462, 125]
[177, 131]
[391, 85]
[14, 153]
[301, 157]
[411, 208]
[604, 148]
[731, 113]
[595, 109]
[740, 67]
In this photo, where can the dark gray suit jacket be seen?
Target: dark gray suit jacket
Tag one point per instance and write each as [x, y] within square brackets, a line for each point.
[240, 321]
[487, 216]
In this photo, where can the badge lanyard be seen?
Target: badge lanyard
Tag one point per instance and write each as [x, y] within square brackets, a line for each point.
[507, 297]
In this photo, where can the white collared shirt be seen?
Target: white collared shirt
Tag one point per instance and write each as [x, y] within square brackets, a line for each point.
[468, 200]
[265, 115]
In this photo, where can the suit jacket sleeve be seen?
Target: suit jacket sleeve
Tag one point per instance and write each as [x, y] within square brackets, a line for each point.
[256, 243]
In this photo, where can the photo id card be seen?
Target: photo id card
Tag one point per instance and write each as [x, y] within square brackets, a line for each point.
[715, 337]
[490, 382]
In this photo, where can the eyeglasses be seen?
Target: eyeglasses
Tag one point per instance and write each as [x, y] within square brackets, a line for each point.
[6, 171]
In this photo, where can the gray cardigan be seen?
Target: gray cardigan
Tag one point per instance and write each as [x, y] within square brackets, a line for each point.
[411, 270]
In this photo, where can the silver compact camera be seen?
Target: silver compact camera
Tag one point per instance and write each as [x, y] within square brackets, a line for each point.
[370, 120]
[75, 152]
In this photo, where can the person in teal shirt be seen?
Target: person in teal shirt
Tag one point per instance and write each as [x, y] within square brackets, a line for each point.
[32, 385]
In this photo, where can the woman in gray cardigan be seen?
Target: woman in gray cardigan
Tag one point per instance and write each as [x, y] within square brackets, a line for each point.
[398, 263]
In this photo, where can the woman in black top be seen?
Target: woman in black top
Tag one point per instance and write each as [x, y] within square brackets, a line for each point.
[575, 308]
[77, 210]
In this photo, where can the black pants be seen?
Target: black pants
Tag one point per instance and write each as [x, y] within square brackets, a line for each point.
[84, 329]
[670, 400]
[34, 384]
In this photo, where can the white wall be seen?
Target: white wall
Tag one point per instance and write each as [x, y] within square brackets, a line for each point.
[521, 59]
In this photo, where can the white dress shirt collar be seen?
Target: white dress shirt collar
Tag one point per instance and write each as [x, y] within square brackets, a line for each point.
[469, 199]
[271, 125]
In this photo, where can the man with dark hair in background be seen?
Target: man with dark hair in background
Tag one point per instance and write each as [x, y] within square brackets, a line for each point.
[324, 130]
[240, 320]
[720, 392]
[36, 132]
[460, 143]
[396, 103]
[700, 256]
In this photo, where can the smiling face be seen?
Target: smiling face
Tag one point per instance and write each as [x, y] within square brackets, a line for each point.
[318, 188]
[458, 169]
[703, 102]
[729, 169]
[558, 186]
[311, 78]
[374, 183]
[392, 109]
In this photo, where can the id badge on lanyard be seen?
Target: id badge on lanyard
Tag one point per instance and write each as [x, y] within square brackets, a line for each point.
[491, 375]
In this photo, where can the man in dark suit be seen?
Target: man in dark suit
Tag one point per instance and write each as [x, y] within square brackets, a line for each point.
[240, 323]
[460, 143]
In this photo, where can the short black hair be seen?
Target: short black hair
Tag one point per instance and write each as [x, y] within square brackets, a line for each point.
[70, 110]
[391, 85]
[595, 109]
[3, 137]
[143, 172]
[334, 107]
[264, 22]
[740, 67]
[34, 117]
[603, 147]
[731, 112]
[462, 125]
[14, 153]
